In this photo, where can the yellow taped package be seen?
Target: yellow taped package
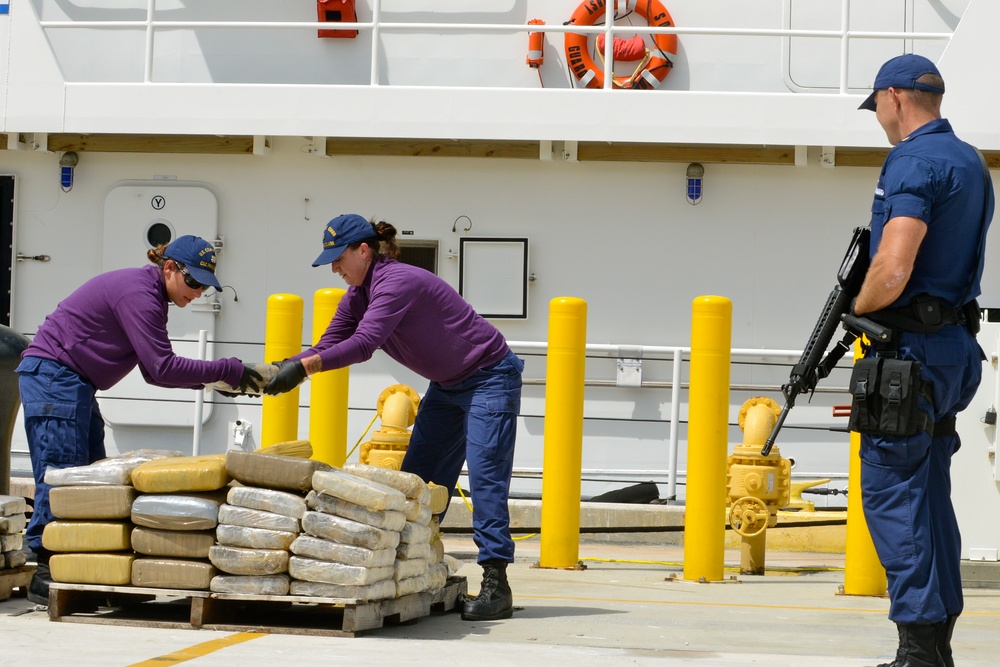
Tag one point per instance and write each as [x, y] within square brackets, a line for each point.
[99, 502]
[63, 536]
[183, 473]
[101, 569]
[439, 498]
[172, 543]
[185, 575]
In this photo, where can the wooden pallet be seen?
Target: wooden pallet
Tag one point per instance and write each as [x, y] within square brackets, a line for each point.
[18, 577]
[283, 614]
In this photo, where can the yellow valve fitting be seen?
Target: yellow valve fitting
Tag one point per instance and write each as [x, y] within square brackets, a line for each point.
[397, 407]
[796, 501]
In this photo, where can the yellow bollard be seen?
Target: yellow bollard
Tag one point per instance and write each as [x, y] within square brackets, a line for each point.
[708, 435]
[328, 392]
[562, 461]
[863, 572]
[282, 339]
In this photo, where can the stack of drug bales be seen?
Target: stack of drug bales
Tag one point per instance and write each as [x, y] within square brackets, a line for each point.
[92, 504]
[12, 522]
[351, 533]
[417, 566]
[261, 518]
[175, 517]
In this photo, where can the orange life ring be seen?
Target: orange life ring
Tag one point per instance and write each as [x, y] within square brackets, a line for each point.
[650, 75]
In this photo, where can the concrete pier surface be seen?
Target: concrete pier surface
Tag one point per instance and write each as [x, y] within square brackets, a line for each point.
[629, 605]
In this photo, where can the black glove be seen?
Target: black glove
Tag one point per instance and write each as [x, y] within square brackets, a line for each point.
[250, 380]
[291, 373]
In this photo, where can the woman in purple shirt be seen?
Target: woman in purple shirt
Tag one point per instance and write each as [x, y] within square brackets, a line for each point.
[93, 339]
[469, 412]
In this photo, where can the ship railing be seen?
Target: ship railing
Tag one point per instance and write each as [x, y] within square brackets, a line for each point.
[631, 356]
[377, 27]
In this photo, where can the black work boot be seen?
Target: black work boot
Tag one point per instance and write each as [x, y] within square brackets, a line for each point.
[495, 600]
[943, 633]
[917, 646]
[38, 588]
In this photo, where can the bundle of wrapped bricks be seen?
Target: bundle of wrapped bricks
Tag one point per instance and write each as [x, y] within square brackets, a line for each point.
[418, 565]
[90, 536]
[367, 536]
[260, 520]
[175, 520]
[12, 522]
[270, 522]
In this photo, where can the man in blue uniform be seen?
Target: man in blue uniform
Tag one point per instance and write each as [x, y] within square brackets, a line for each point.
[932, 207]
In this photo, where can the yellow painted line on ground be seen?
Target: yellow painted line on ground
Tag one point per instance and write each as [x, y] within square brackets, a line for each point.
[200, 650]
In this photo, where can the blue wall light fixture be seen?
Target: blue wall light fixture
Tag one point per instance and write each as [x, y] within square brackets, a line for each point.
[695, 180]
[67, 163]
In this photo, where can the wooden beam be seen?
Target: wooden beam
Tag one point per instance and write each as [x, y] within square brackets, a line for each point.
[860, 157]
[152, 143]
[433, 147]
[596, 152]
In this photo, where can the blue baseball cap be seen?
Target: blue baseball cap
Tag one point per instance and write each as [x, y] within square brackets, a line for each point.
[198, 257]
[341, 232]
[903, 72]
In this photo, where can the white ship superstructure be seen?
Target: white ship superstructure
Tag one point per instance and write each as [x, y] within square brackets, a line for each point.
[241, 123]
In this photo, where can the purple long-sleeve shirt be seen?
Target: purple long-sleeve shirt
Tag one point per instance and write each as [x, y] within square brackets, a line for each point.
[417, 318]
[117, 320]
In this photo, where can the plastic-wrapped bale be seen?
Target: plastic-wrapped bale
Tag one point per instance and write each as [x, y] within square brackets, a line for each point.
[12, 522]
[407, 483]
[380, 590]
[331, 572]
[417, 512]
[437, 575]
[275, 584]
[318, 548]
[186, 575]
[172, 543]
[438, 498]
[112, 470]
[253, 538]
[95, 502]
[98, 568]
[266, 372]
[176, 512]
[244, 516]
[358, 490]
[267, 500]
[346, 531]
[182, 474]
[406, 568]
[254, 562]
[270, 471]
[87, 536]
[412, 585]
[384, 519]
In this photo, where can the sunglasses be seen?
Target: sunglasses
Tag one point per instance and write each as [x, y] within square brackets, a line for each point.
[188, 280]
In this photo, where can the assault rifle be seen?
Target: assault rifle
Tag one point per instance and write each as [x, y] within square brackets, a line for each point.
[813, 366]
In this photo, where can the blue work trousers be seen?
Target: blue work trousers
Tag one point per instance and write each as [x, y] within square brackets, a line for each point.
[474, 421]
[64, 427]
[906, 485]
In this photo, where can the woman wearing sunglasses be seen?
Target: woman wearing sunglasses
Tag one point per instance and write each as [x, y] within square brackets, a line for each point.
[94, 338]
